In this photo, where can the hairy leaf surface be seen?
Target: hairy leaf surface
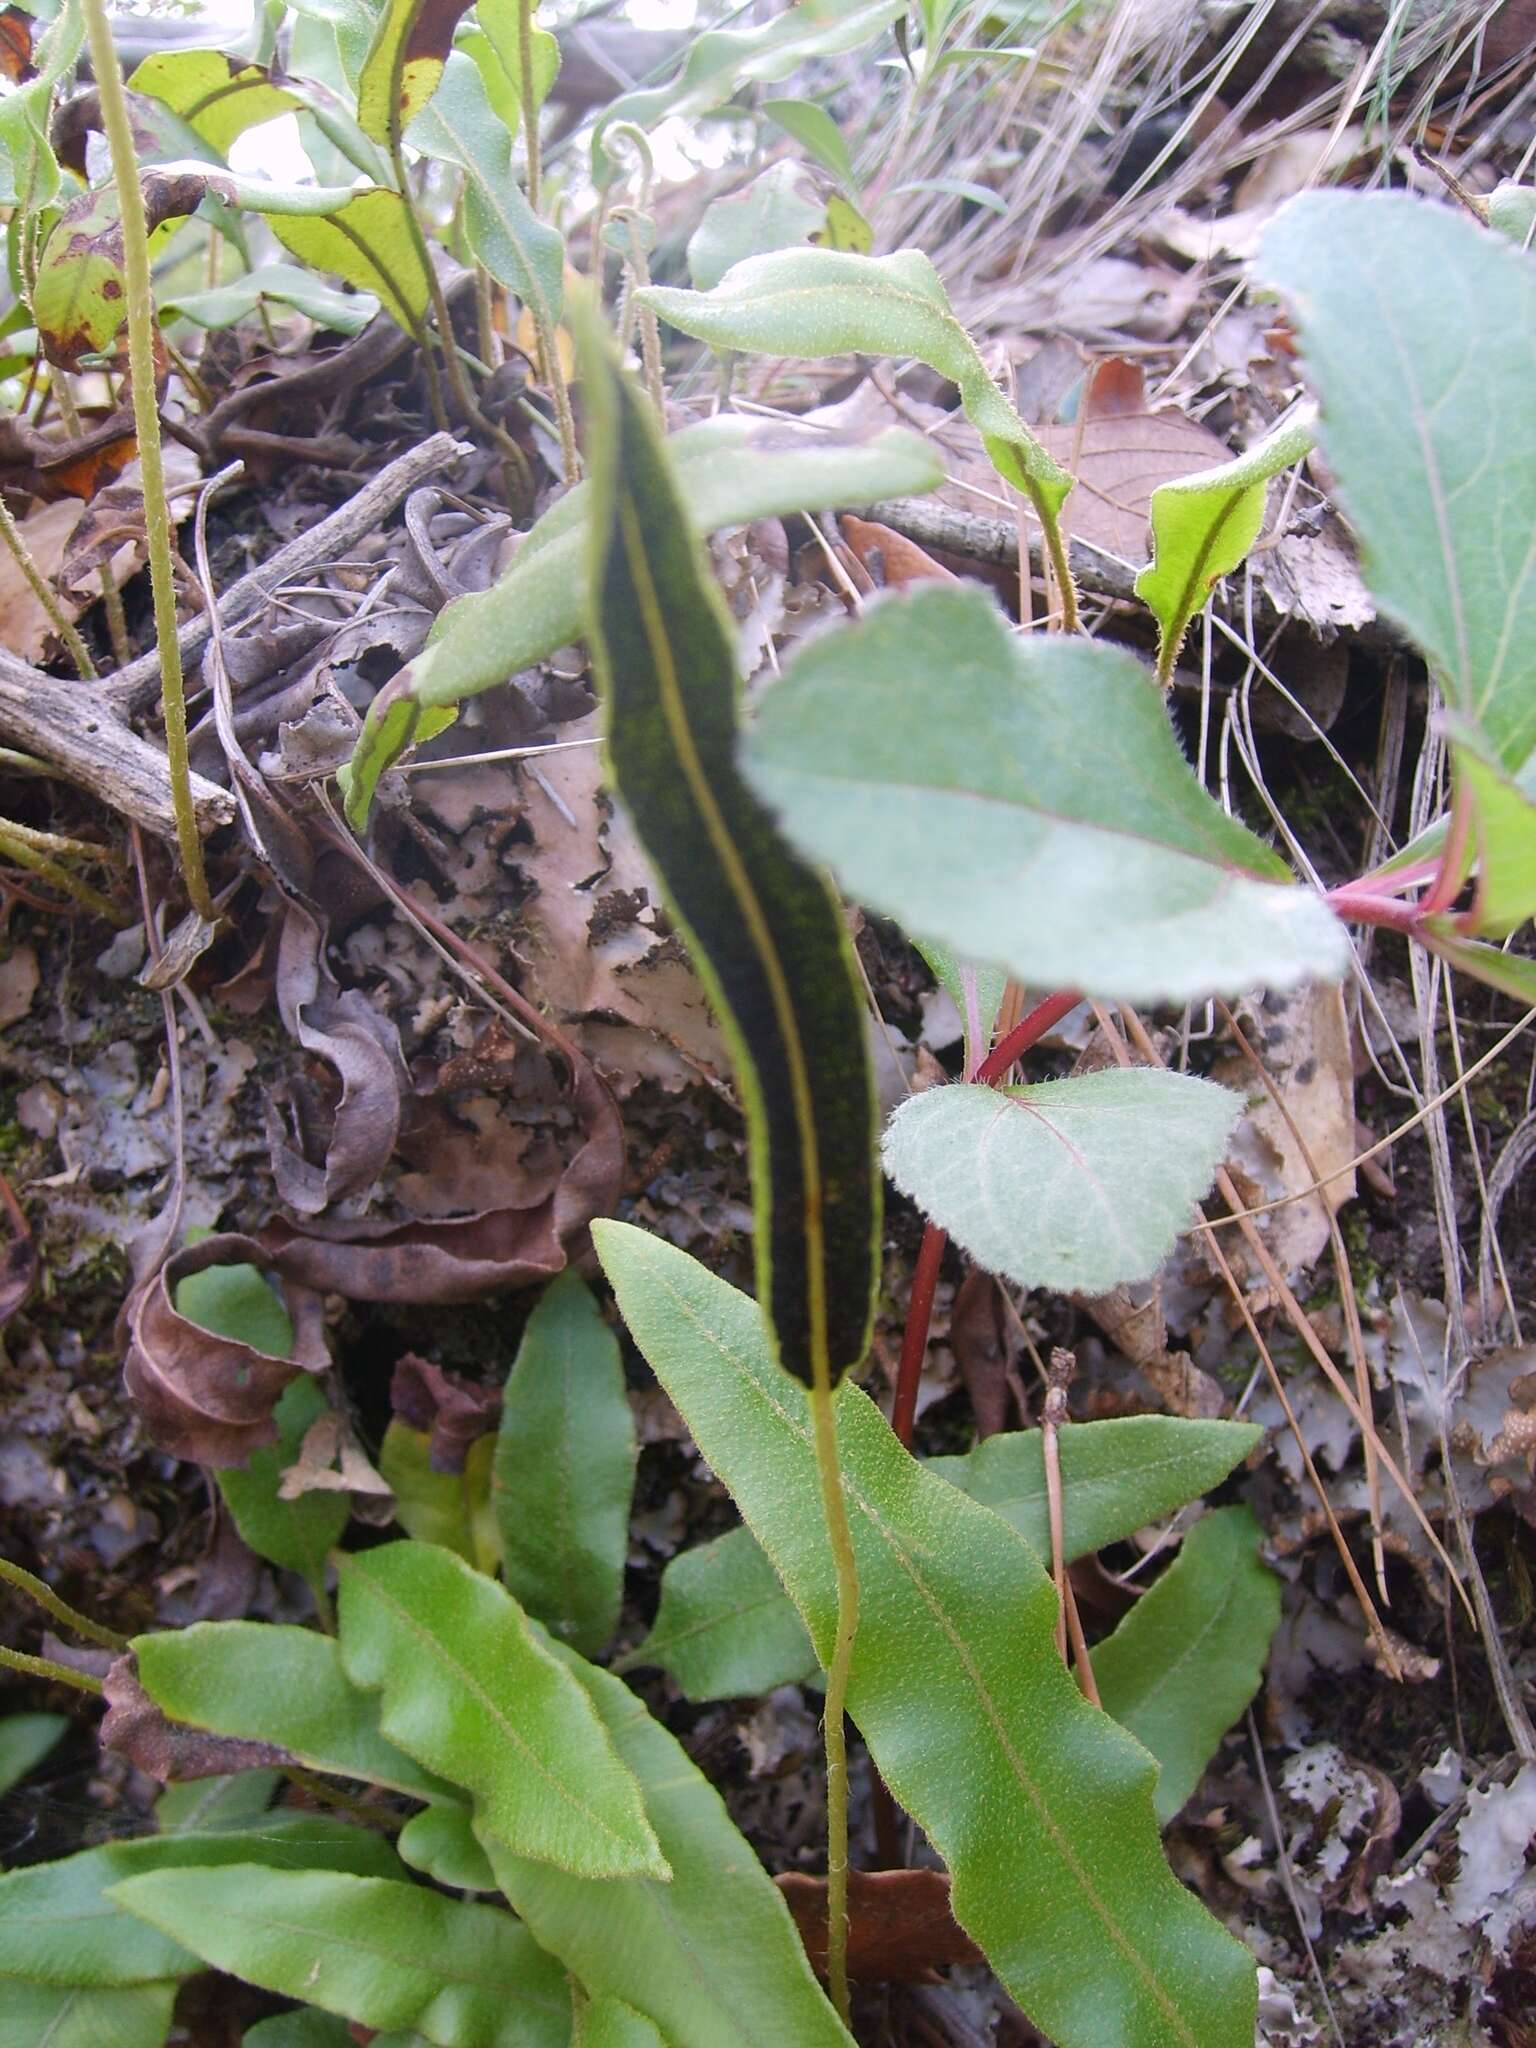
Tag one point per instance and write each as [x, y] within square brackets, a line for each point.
[712, 1959]
[829, 302]
[1038, 1803]
[1419, 331]
[1025, 802]
[472, 1693]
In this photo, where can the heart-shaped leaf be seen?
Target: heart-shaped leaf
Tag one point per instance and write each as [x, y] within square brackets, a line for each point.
[1081, 1185]
[1025, 802]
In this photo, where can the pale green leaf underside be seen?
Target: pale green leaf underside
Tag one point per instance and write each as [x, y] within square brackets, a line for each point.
[778, 210]
[712, 1959]
[1039, 1804]
[382, 1953]
[829, 302]
[1025, 802]
[459, 126]
[471, 1691]
[1080, 1185]
[1184, 1663]
[726, 1627]
[1418, 331]
[729, 469]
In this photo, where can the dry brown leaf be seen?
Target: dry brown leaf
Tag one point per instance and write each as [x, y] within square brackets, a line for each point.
[890, 560]
[900, 1927]
[208, 1398]
[981, 1337]
[592, 943]
[454, 1411]
[134, 1727]
[1303, 1039]
[362, 1046]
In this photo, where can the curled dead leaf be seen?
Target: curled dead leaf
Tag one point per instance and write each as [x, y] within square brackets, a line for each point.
[203, 1397]
[456, 1412]
[134, 1727]
[362, 1046]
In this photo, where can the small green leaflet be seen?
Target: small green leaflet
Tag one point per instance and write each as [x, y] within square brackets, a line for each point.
[1027, 1792]
[1187, 1659]
[564, 1469]
[25, 1739]
[1079, 1185]
[1025, 802]
[764, 931]
[1203, 527]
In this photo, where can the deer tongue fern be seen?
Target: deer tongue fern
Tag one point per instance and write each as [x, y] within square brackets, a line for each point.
[767, 937]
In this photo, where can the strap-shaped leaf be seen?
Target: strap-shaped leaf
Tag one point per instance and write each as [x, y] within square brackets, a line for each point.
[1081, 1184]
[1039, 1804]
[520, 251]
[137, 2016]
[472, 1692]
[765, 932]
[1078, 849]
[1187, 1659]
[729, 469]
[829, 302]
[440, 1840]
[271, 1683]
[1418, 330]
[369, 243]
[382, 1953]
[726, 1627]
[60, 1924]
[404, 63]
[564, 1469]
[1203, 526]
[712, 1959]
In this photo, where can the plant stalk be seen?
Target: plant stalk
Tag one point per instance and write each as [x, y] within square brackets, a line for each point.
[840, 1538]
[44, 1667]
[79, 1624]
[530, 111]
[146, 426]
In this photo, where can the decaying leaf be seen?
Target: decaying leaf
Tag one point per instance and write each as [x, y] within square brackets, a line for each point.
[134, 1727]
[205, 1397]
[454, 1411]
[900, 1928]
[362, 1047]
[18, 1255]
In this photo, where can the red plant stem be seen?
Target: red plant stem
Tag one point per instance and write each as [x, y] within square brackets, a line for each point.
[925, 1274]
[1357, 905]
[914, 1338]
